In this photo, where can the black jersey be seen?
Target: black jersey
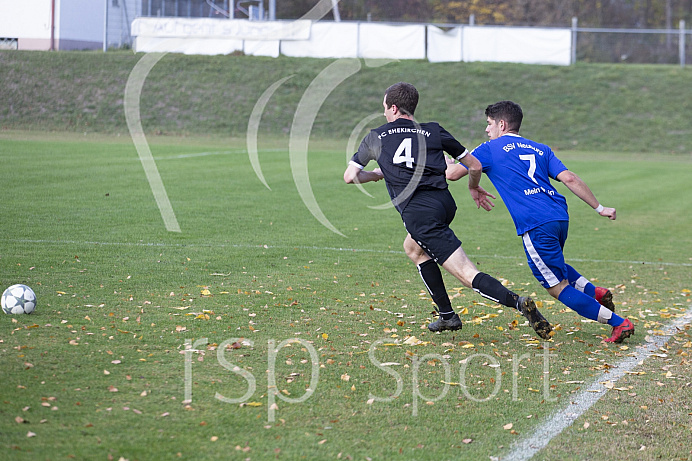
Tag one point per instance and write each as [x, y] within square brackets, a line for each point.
[410, 156]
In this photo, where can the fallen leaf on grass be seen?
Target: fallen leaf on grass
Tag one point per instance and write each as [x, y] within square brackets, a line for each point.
[467, 441]
[31, 434]
[413, 341]
[508, 426]
[251, 404]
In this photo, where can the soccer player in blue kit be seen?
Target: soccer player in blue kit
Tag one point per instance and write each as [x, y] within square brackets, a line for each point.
[521, 169]
[412, 162]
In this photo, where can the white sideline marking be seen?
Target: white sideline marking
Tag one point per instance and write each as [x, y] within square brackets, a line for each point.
[198, 154]
[220, 152]
[304, 247]
[560, 420]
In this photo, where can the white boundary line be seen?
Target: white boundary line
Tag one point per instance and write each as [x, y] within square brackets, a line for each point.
[220, 152]
[305, 247]
[560, 420]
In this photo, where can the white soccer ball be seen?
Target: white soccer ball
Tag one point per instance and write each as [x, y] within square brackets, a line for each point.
[18, 299]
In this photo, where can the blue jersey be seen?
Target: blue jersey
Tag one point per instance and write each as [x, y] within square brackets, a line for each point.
[520, 170]
[410, 155]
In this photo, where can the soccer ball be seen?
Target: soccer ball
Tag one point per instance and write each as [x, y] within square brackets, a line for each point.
[18, 299]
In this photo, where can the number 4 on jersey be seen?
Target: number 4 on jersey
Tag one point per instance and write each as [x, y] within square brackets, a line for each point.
[403, 153]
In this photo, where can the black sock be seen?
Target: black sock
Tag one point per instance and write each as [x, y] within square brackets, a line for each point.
[432, 277]
[491, 288]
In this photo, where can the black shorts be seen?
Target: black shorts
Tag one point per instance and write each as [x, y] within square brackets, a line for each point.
[427, 218]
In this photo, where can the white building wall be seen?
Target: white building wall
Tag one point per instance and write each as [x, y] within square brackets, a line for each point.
[28, 21]
[79, 24]
[76, 24]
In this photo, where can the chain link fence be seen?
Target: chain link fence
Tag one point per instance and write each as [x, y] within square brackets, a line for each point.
[640, 46]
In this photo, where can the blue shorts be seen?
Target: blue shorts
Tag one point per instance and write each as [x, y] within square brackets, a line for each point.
[543, 246]
[427, 218]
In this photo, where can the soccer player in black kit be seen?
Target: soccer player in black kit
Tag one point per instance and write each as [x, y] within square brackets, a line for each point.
[411, 161]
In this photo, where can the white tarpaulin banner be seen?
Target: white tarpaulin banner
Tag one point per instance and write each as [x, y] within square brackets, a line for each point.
[327, 40]
[444, 46]
[394, 42]
[268, 48]
[526, 45]
[242, 29]
[201, 46]
[207, 46]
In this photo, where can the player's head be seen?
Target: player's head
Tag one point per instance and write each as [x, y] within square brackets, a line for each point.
[402, 95]
[503, 117]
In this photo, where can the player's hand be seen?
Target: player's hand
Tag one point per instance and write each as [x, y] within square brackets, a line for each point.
[379, 174]
[480, 196]
[608, 213]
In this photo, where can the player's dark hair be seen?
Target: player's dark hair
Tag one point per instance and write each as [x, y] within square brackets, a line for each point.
[508, 111]
[404, 96]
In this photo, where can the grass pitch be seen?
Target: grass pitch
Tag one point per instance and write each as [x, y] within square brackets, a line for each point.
[258, 333]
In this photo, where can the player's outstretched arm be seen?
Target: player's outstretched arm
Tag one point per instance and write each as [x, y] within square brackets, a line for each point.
[353, 174]
[455, 171]
[579, 188]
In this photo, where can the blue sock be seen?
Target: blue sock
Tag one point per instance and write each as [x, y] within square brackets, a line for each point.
[588, 307]
[580, 282]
